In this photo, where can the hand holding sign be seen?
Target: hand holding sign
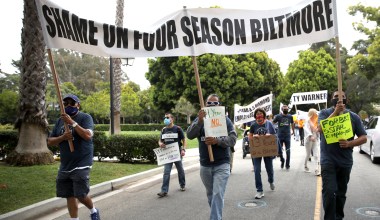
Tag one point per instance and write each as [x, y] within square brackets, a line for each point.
[337, 128]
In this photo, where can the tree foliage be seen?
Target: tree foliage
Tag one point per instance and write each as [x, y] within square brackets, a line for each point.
[367, 61]
[237, 79]
[311, 72]
[184, 107]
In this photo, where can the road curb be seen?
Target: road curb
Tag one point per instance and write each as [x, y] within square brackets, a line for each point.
[45, 207]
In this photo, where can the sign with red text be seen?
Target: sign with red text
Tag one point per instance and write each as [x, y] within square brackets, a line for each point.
[168, 154]
[215, 121]
[263, 146]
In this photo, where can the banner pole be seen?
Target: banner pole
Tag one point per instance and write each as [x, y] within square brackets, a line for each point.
[60, 102]
[198, 82]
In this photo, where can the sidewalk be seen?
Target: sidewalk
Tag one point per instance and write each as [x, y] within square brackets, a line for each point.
[51, 205]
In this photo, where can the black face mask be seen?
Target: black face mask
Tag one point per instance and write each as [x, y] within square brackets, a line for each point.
[334, 102]
[285, 111]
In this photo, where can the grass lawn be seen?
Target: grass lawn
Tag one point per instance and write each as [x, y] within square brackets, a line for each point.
[23, 186]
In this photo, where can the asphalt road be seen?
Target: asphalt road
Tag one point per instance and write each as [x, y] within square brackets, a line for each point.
[297, 194]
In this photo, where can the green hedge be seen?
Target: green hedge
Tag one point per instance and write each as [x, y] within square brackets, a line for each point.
[126, 148]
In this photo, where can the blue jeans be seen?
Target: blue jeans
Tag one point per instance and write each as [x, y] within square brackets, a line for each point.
[268, 161]
[215, 181]
[286, 141]
[334, 188]
[167, 170]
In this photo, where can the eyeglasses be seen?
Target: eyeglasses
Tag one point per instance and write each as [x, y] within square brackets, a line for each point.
[212, 103]
[69, 102]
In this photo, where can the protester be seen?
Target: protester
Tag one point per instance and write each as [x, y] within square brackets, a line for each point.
[262, 127]
[312, 140]
[337, 160]
[73, 181]
[285, 123]
[214, 174]
[172, 133]
[301, 123]
[296, 131]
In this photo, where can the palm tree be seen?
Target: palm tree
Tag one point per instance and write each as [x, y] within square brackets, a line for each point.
[117, 72]
[31, 120]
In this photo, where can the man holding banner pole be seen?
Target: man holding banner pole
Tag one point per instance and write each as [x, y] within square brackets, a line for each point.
[338, 127]
[214, 174]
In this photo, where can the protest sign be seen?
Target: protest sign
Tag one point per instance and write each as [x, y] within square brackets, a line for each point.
[168, 154]
[309, 97]
[263, 146]
[244, 114]
[215, 122]
[337, 128]
[192, 32]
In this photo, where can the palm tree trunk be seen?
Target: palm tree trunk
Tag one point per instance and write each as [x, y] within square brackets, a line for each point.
[32, 148]
[117, 72]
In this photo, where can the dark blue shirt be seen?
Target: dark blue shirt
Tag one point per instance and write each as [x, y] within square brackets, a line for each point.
[83, 150]
[333, 154]
[171, 135]
[284, 123]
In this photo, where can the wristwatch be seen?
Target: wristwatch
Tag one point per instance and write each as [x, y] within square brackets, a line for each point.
[74, 124]
[183, 149]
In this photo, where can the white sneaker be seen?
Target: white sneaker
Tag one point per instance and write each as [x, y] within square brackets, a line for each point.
[307, 170]
[259, 195]
[317, 172]
[272, 186]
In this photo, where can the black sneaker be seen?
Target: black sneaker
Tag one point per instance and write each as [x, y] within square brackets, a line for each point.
[162, 194]
[282, 163]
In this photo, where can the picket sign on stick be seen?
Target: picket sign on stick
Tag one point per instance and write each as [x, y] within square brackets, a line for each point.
[60, 102]
[197, 80]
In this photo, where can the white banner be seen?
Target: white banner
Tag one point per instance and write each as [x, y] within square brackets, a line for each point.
[309, 97]
[168, 154]
[244, 114]
[215, 121]
[192, 32]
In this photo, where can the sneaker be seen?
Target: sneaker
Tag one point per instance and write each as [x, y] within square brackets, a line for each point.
[307, 170]
[272, 186]
[162, 194]
[282, 163]
[317, 172]
[95, 215]
[182, 188]
[259, 195]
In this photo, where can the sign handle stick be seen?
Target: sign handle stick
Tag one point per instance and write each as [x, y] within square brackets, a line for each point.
[60, 102]
[210, 154]
[338, 67]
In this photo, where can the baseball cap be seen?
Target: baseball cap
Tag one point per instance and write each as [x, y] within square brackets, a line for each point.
[73, 97]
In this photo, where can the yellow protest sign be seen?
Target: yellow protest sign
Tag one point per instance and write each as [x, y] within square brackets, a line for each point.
[337, 128]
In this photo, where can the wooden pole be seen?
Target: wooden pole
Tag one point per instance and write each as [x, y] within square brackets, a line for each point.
[198, 82]
[60, 102]
[338, 67]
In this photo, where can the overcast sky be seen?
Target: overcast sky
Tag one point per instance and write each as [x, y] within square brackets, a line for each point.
[139, 14]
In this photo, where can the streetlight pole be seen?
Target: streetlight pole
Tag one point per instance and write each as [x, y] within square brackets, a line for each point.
[111, 97]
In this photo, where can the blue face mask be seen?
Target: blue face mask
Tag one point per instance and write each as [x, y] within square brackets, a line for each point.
[71, 110]
[167, 121]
